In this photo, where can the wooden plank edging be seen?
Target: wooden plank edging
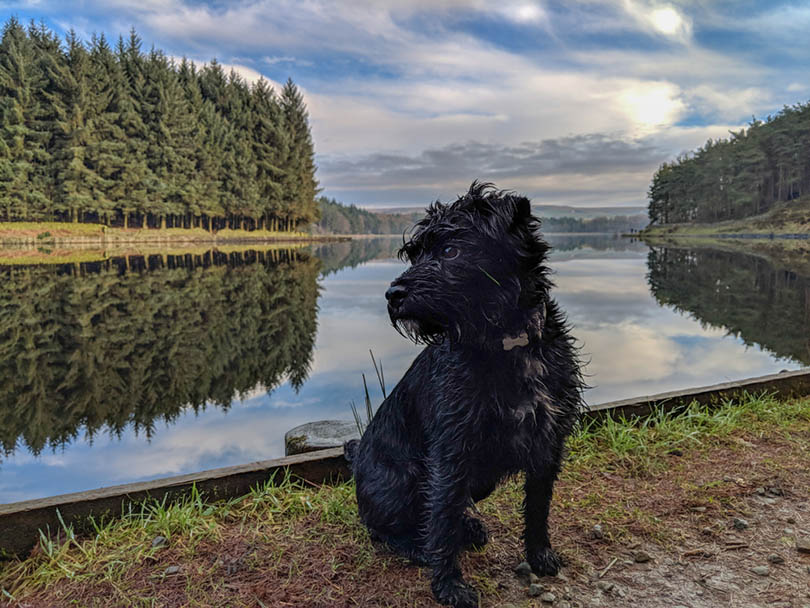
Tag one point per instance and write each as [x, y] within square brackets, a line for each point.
[784, 384]
[20, 522]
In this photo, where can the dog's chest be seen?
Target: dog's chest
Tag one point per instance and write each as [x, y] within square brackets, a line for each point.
[515, 410]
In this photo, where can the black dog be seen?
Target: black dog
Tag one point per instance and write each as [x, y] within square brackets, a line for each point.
[495, 392]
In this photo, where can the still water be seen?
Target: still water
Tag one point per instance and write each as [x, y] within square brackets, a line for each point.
[138, 367]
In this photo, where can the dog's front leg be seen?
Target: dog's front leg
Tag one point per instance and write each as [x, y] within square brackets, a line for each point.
[447, 499]
[541, 557]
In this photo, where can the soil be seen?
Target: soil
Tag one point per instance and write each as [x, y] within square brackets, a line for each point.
[682, 517]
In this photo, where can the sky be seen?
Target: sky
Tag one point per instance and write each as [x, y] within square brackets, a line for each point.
[574, 102]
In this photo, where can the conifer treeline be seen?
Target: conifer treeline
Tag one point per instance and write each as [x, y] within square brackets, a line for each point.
[747, 174]
[111, 134]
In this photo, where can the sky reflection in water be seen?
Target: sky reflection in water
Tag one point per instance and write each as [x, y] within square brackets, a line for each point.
[634, 346]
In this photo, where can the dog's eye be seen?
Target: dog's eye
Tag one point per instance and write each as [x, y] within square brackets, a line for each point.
[450, 252]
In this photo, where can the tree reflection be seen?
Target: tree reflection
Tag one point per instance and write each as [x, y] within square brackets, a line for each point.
[137, 339]
[758, 301]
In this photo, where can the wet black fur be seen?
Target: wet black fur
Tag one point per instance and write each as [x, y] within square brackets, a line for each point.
[468, 412]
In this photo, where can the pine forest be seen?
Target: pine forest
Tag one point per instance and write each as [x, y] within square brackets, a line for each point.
[107, 133]
[748, 174]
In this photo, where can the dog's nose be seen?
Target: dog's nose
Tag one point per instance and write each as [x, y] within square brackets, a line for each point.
[395, 295]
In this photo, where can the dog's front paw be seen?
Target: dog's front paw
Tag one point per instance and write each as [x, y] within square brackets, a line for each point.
[455, 592]
[545, 562]
[475, 532]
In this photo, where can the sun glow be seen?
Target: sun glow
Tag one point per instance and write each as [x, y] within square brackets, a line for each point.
[652, 106]
[667, 20]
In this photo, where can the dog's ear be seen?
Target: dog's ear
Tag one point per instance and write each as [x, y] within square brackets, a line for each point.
[523, 208]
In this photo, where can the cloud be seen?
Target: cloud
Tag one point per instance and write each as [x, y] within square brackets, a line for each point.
[286, 59]
[412, 90]
[563, 167]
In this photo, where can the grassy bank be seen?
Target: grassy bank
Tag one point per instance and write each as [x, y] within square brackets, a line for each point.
[60, 233]
[785, 218]
[667, 488]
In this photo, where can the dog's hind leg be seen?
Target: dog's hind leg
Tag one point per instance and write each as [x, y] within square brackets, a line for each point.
[541, 557]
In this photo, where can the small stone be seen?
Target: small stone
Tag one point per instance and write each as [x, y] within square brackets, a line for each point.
[523, 569]
[699, 509]
[739, 523]
[803, 545]
[605, 586]
[775, 558]
[761, 570]
[159, 541]
[548, 597]
[642, 557]
[563, 604]
[761, 491]
[596, 531]
[533, 578]
[707, 531]
[788, 531]
[171, 570]
[535, 589]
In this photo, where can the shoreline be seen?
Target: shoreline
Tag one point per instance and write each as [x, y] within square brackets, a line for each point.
[46, 234]
[793, 253]
[21, 521]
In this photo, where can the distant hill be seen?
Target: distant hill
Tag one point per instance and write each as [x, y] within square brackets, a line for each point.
[337, 218]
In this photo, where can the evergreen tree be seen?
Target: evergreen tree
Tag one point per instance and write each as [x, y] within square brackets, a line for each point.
[96, 134]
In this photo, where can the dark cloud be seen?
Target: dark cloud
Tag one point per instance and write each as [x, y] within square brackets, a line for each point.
[400, 178]
[577, 154]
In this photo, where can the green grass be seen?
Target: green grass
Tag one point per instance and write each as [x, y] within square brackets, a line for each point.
[113, 545]
[631, 446]
[41, 228]
[641, 445]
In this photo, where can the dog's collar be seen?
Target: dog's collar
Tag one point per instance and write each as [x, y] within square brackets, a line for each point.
[522, 339]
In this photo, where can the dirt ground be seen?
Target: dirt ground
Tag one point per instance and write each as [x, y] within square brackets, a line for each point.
[687, 535]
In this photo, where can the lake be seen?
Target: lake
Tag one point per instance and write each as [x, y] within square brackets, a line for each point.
[142, 366]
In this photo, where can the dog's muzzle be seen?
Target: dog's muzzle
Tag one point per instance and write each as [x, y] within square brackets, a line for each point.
[395, 295]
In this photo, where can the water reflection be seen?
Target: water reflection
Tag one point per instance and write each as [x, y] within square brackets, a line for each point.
[762, 303]
[165, 361]
[131, 340]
